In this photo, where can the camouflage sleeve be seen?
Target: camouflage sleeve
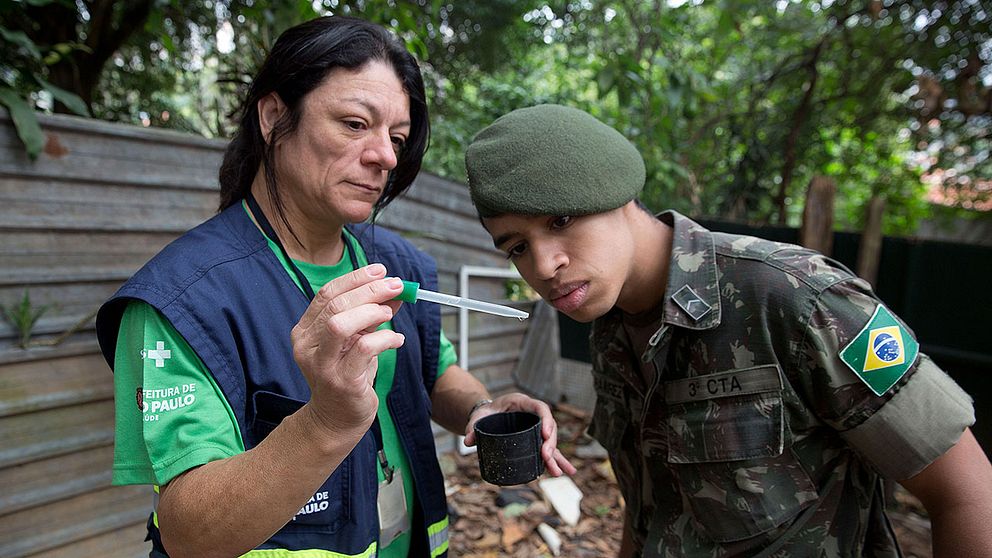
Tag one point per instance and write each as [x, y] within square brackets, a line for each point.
[863, 375]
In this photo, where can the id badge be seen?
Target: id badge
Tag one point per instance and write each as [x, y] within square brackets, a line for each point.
[393, 517]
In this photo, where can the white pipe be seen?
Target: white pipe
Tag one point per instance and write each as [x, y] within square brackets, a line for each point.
[464, 273]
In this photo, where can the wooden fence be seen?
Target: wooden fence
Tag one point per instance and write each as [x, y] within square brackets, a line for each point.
[77, 222]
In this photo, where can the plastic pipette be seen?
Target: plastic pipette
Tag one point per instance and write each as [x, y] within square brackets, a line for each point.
[413, 293]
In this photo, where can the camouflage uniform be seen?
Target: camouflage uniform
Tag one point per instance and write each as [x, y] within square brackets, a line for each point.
[739, 431]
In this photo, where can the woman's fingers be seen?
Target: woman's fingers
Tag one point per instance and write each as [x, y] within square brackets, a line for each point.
[367, 285]
[338, 286]
[342, 329]
[366, 348]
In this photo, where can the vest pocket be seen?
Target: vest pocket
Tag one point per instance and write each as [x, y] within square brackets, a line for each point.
[726, 435]
[327, 509]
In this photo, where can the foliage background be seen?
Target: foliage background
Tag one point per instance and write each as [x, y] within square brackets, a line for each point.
[735, 104]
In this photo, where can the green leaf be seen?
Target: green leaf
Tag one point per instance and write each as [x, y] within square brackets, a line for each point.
[70, 100]
[168, 43]
[606, 79]
[20, 39]
[726, 23]
[25, 121]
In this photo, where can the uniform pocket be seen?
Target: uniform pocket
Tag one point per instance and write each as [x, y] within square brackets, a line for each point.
[726, 435]
[611, 416]
[328, 509]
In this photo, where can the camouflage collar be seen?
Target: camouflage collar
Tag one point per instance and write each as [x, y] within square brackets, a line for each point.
[692, 297]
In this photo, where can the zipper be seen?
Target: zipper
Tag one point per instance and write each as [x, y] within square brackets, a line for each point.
[657, 351]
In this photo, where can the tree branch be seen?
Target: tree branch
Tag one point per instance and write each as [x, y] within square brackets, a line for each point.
[799, 117]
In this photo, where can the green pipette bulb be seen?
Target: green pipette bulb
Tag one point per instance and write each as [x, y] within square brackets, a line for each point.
[413, 293]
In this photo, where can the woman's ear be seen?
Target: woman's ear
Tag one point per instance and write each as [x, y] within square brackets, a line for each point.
[270, 110]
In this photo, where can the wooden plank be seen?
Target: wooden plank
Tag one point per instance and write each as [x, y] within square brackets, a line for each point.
[483, 327]
[32, 436]
[496, 377]
[100, 169]
[92, 127]
[127, 542]
[49, 480]
[420, 218]
[112, 197]
[101, 214]
[81, 345]
[66, 304]
[441, 194]
[31, 257]
[51, 383]
[86, 244]
[36, 530]
[60, 296]
[41, 347]
[451, 257]
[494, 350]
[61, 271]
[83, 143]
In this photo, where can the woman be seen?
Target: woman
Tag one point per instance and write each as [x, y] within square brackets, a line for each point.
[283, 398]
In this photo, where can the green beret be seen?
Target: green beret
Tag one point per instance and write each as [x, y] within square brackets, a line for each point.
[551, 160]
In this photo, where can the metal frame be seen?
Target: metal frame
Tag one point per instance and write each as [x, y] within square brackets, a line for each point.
[464, 273]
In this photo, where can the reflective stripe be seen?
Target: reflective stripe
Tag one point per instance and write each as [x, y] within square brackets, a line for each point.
[370, 552]
[155, 506]
[438, 535]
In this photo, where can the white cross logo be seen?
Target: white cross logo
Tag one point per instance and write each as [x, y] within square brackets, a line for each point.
[159, 354]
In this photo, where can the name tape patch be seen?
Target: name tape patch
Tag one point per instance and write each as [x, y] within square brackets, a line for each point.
[724, 384]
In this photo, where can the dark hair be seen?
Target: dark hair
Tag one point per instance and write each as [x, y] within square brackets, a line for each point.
[299, 61]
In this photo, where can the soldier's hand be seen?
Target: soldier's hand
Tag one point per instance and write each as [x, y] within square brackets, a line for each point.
[555, 463]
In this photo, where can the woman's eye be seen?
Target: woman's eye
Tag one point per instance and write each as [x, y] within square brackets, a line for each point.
[398, 143]
[561, 222]
[355, 125]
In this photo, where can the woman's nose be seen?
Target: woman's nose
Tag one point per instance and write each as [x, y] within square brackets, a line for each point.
[379, 150]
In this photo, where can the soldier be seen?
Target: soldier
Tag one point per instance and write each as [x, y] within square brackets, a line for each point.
[752, 395]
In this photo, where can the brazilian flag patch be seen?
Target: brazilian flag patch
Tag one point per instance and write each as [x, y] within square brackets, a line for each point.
[882, 352]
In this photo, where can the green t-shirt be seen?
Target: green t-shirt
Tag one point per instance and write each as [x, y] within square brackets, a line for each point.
[184, 419]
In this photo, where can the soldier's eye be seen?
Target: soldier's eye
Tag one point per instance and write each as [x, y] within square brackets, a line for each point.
[515, 250]
[561, 221]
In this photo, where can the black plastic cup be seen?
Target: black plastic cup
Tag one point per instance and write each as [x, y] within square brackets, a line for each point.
[509, 447]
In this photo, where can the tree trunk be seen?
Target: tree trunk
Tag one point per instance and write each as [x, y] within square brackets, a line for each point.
[109, 27]
[799, 117]
[817, 231]
[870, 250]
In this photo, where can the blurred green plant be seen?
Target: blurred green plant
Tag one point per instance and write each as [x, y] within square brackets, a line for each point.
[23, 84]
[518, 290]
[23, 317]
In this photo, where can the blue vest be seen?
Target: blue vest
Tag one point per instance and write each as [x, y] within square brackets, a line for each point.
[230, 298]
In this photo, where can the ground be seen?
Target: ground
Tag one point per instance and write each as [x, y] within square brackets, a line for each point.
[488, 521]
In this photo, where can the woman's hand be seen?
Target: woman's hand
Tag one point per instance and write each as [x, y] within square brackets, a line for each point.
[554, 461]
[336, 345]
